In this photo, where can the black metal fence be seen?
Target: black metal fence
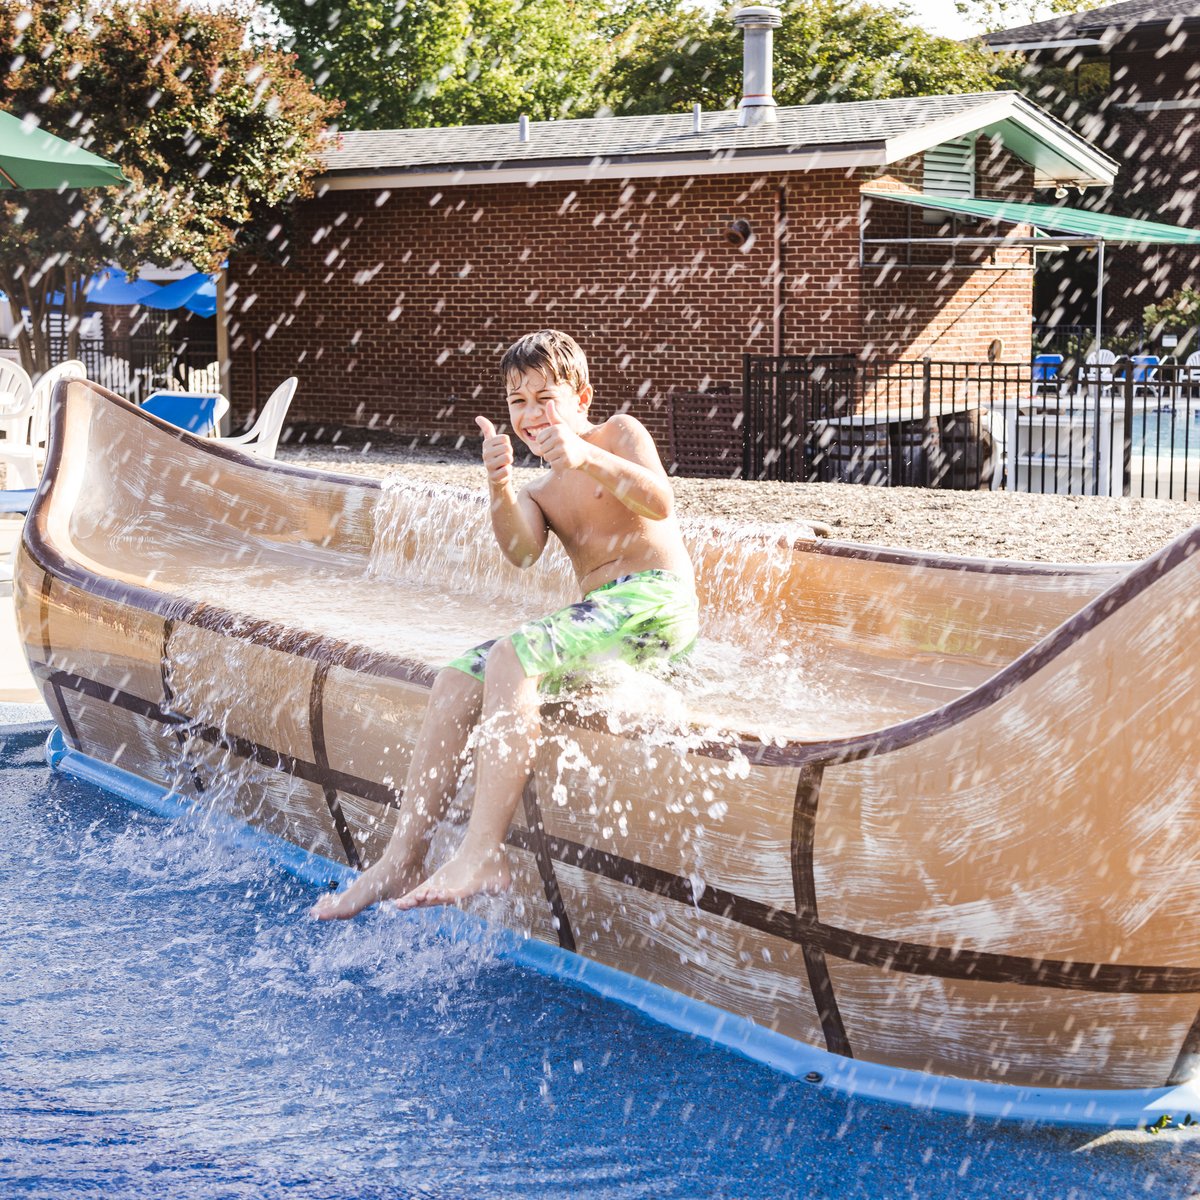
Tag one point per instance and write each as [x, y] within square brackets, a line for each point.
[1129, 427]
[134, 367]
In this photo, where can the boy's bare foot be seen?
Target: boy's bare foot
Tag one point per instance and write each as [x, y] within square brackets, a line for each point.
[464, 875]
[384, 881]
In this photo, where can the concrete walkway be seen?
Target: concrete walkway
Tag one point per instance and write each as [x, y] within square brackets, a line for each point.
[16, 684]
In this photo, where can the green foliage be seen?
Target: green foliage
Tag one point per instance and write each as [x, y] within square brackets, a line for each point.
[1179, 311]
[993, 15]
[215, 135]
[824, 51]
[399, 63]
[411, 63]
[1078, 346]
[1077, 95]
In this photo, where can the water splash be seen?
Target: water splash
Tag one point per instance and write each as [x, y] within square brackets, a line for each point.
[434, 584]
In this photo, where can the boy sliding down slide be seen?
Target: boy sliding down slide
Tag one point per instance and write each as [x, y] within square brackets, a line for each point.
[608, 500]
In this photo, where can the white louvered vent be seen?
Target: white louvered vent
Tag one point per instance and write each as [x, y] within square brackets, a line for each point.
[950, 169]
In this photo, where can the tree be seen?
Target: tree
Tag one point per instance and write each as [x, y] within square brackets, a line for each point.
[414, 63]
[824, 51]
[215, 134]
[993, 15]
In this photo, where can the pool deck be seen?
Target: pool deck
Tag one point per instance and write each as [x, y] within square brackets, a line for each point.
[16, 683]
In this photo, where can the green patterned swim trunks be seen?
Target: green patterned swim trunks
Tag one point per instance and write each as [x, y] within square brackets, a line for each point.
[638, 620]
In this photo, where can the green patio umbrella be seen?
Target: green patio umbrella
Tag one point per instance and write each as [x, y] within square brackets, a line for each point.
[31, 158]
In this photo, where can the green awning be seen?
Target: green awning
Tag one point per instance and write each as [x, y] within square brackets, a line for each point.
[32, 158]
[1075, 221]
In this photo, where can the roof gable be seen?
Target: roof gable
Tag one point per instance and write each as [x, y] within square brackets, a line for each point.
[1097, 25]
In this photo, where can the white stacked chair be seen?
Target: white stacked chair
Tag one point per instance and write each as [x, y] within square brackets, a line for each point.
[24, 449]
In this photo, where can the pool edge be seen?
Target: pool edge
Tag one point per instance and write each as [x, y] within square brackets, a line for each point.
[1087, 1108]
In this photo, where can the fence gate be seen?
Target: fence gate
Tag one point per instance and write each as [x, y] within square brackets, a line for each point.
[784, 397]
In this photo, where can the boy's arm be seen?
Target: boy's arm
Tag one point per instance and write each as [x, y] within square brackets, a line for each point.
[518, 523]
[631, 470]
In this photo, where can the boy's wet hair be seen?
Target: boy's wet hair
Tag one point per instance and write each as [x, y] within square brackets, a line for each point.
[557, 355]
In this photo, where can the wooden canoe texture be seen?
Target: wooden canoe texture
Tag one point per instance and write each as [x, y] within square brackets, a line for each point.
[989, 870]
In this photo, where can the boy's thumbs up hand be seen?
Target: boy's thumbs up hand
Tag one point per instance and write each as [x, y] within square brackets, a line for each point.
[497, 453]
[560, 445]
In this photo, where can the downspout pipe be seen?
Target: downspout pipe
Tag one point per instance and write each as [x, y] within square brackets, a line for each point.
[779, 270]
[757, 24]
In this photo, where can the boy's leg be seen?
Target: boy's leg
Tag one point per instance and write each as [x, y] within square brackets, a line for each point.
[438, 755]
[510, 727]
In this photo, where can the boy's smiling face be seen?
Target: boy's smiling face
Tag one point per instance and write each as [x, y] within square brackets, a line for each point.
[528, 394]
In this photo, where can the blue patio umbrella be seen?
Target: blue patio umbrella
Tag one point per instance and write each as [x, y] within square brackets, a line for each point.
[197, 293]
[115, 287]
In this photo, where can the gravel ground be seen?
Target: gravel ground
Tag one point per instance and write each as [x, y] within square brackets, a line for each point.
[980, 524]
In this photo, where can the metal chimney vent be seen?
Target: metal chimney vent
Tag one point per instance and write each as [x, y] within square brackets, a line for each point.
[756, 23]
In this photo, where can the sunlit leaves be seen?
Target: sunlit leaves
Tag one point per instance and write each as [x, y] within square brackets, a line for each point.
[402, 64]
[1178, 312]
[824, 51]
[992, 15]
[214, 133]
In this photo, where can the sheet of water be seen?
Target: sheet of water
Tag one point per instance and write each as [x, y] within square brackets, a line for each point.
[436, 584]
[171, 1024]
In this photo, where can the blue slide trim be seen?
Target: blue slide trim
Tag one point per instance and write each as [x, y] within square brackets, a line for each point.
[1107, 1108]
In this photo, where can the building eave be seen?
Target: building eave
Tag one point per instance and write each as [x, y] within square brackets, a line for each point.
[614, 167]
[1058, 44]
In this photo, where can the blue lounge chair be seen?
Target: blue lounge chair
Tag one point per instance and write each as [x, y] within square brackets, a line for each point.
[16, 501]
[1045, 373]
[197, 412]
[1145, 374]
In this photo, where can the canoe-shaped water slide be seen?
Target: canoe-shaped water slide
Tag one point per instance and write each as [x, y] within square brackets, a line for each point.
[909, 826]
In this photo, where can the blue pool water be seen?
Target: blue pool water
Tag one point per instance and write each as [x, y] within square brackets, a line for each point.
[172, 1025]
[1165, 435]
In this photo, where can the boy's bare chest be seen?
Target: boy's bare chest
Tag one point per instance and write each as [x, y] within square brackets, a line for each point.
[580, 511]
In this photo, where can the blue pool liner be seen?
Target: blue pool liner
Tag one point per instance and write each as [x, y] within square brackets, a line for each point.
[1105, 1108]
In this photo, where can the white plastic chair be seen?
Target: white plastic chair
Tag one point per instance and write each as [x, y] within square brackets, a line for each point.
[24, 452]
[262, 439]
[1098, 369]
[1189, 378]
[15, 389]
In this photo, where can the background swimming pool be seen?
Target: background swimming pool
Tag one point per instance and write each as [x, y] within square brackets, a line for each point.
[1165, 435]
[172, 1025]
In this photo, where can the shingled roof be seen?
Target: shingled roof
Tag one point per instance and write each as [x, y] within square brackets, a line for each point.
[872, 132]
[657, 136]
[1099, 24]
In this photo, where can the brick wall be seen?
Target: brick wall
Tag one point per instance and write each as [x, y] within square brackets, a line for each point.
[949, 305]
[394, 308]
[1158, 153]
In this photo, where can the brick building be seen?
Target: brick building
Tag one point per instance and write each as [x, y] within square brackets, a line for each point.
[669, 245]
[1133, 70]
